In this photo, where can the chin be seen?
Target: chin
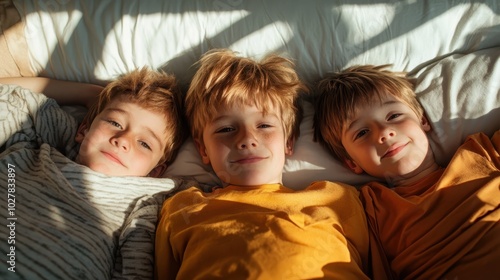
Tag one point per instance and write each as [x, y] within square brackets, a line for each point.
[104, 169]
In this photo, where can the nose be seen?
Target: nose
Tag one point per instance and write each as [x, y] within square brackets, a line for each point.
[386, 133]
[121, 141]
[246, 139]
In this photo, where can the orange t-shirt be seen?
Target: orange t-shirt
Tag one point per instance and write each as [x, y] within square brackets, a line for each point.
[263, 232]
[446, 226]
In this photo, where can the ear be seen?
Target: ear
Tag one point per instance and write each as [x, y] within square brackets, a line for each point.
[426, 126]
[203, 151]
[289, 147]
[80, 133]
[158, 171]
[353, 166]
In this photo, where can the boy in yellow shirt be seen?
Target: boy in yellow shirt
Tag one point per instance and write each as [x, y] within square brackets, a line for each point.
[243, 118]
[431, 222]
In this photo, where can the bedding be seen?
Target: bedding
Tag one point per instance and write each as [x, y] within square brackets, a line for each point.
[450, 48]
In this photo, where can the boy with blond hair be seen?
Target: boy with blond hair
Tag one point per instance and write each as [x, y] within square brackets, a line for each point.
[243, 118]
[430, 221]
[134, 129]
[76, 188]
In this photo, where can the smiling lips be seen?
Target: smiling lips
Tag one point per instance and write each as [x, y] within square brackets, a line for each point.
[112, 158]
[248, 160]
[393, 150]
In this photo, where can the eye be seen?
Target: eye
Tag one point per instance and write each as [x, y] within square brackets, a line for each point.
[361, 133]
[394, 116]
[115, 124]
[224, 129]
[265, 125]
[145, 145]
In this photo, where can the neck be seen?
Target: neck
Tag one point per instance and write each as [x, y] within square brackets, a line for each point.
[413, 177]
[427, 167]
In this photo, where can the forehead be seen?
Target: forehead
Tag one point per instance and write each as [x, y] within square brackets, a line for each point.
[130, 106]
[365, 108]
[367, 102]
[245, 111]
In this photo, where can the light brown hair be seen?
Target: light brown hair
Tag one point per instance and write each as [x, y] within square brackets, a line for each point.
[151, 90]
[225, 79]
[341, 93]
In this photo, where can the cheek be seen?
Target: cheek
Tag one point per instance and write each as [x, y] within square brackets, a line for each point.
[362, 153]
[422, 141]
[418, 133]
[96, 135]
[217, 157]
[220, 145]
[350, 147]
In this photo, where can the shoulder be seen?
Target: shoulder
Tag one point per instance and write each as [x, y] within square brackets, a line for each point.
[329, 186]
[336, 192]
[483, 137]
[482, 144]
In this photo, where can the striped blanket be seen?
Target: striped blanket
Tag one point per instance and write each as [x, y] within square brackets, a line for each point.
[60, 219]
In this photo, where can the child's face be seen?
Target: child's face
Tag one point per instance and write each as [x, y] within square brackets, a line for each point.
[244, 146]
[123, 140]
[387, 140]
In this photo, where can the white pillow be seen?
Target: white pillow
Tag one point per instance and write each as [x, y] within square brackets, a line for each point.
[460, 94]
[188, 165]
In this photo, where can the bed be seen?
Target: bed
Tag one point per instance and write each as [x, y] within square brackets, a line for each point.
[451, 49]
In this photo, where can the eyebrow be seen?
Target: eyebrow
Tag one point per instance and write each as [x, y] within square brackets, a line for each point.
[229, 116]
[149, 130]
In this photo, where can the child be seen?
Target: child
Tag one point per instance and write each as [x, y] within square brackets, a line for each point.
[71, 220]
[243, 119]
[135, 128]
[431, 222]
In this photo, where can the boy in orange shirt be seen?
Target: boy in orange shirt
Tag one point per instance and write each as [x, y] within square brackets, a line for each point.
[243, 118]
[431, 222]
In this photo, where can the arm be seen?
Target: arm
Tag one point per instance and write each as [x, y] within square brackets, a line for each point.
[33, 118]
[64, 92]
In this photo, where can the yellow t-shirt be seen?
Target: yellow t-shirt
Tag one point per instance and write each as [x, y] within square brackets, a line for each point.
[447, 226]
[263, 232]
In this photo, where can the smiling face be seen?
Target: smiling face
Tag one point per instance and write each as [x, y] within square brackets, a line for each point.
[123, 140]
[244, 146]
[387, 140]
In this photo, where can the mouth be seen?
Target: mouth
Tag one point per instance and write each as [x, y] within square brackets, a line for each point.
[394, 150]
[112, 158]
[248, 160]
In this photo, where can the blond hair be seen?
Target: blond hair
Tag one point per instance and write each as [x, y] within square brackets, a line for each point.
[224, 79]
[154, 91]
[339, 94]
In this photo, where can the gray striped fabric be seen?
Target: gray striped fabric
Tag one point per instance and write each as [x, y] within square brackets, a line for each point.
[62, 220]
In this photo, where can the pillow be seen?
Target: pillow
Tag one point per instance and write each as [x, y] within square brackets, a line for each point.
[188, 165]
[460, 95]
[13, 44]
